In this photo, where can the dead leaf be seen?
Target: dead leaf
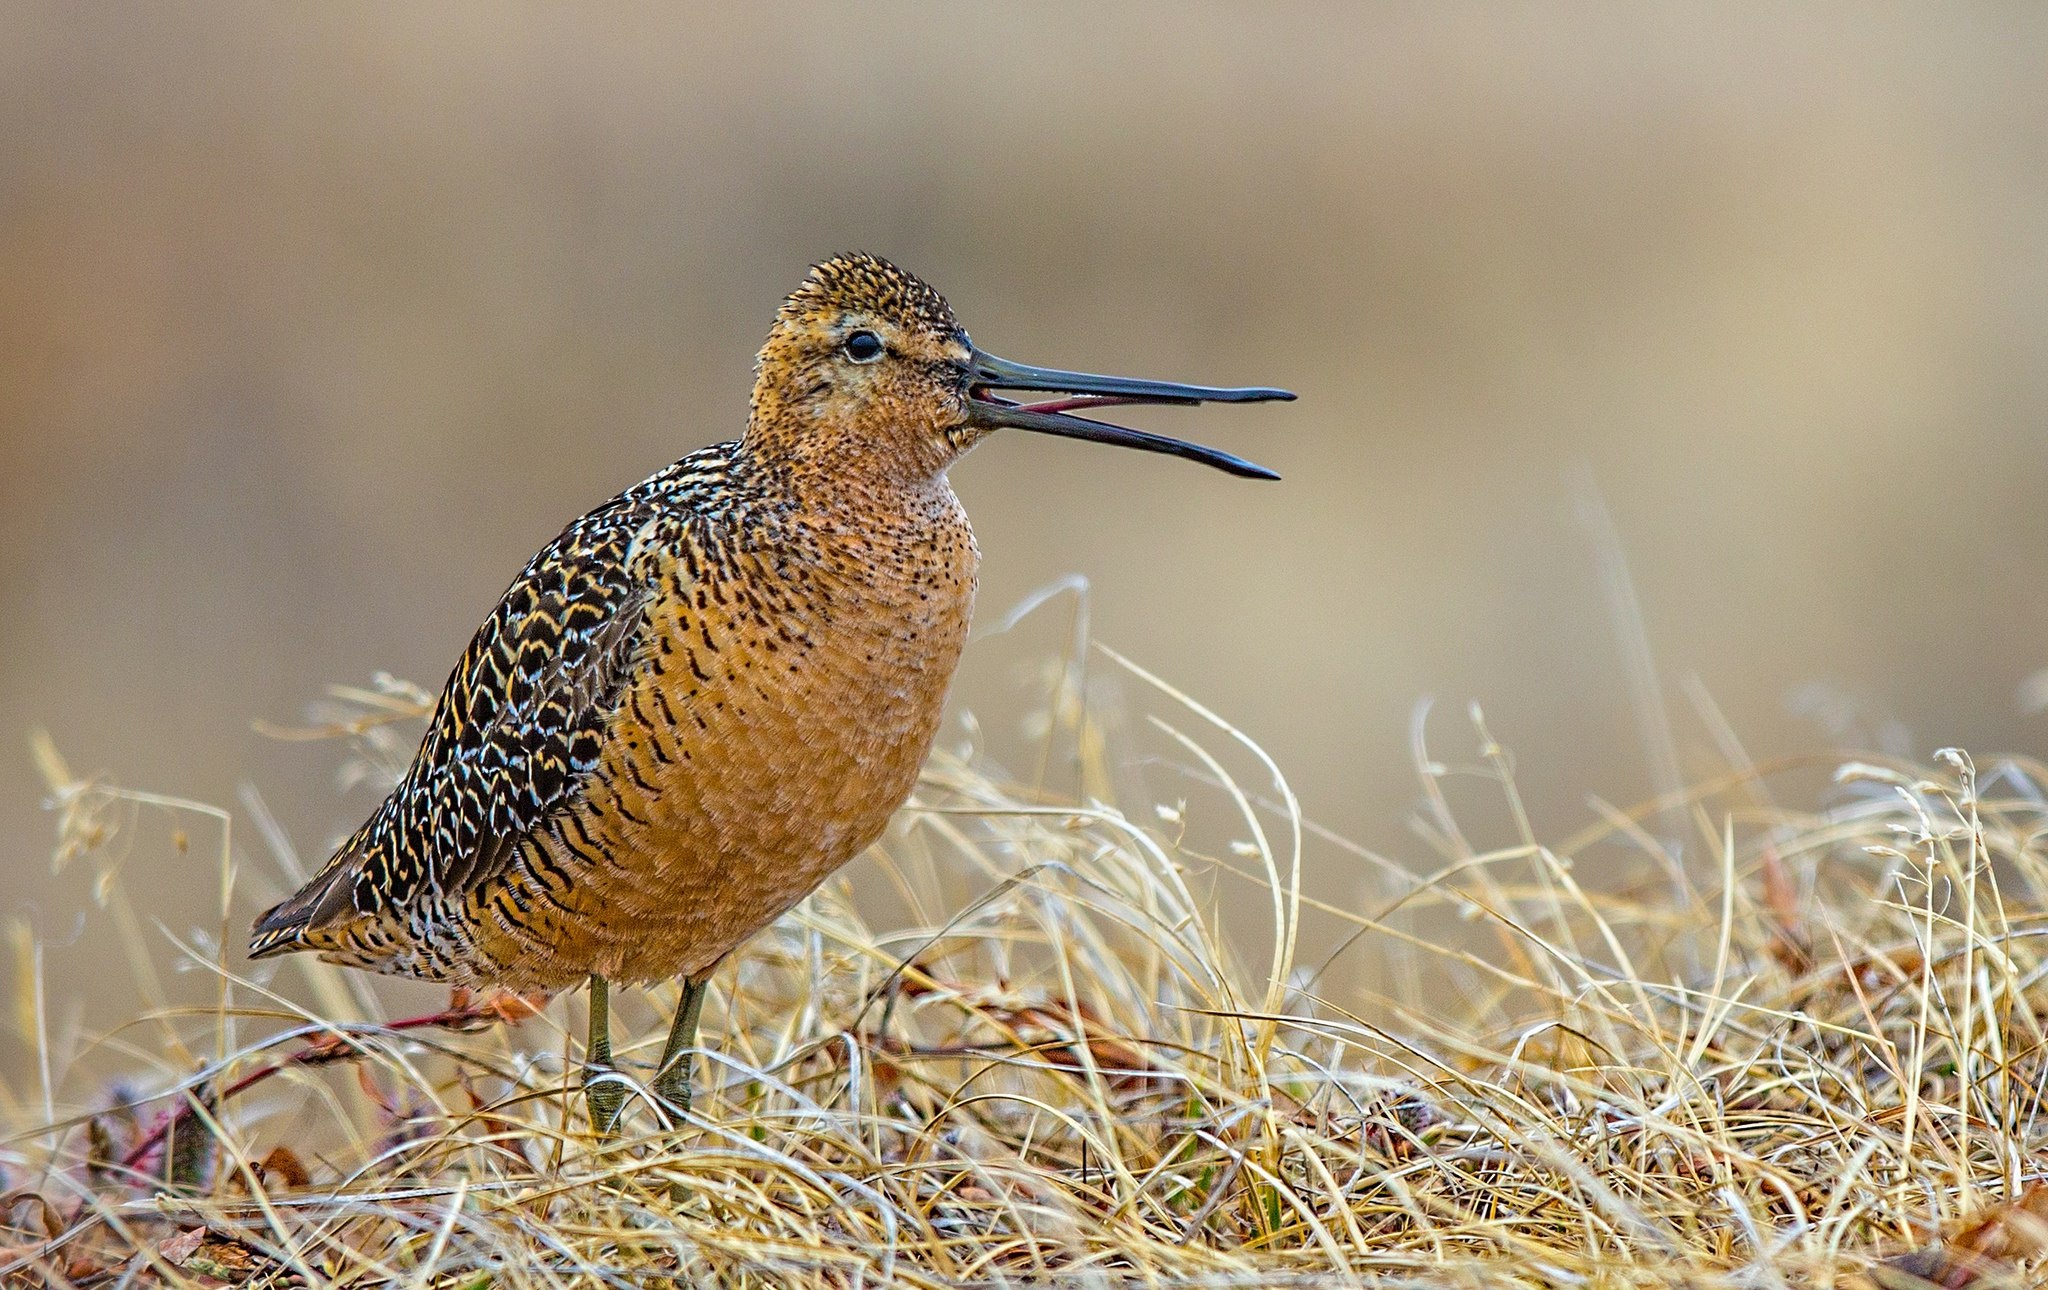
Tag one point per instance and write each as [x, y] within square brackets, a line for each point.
[1985, 1246]
[176, 1249]
[207, 1253]
[283, 1168]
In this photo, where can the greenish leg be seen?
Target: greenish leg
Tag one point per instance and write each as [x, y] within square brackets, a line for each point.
[601, 1089]
[672, 1074]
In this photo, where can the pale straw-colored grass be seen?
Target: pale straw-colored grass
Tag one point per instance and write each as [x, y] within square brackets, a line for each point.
[1717, 1040]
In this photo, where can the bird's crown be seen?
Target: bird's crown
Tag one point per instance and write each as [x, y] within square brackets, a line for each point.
[861, 283]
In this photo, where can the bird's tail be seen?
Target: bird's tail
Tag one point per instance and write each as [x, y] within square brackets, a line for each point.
[305, 920]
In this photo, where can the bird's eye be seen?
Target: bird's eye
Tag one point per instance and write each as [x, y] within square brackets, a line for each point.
[864, 347]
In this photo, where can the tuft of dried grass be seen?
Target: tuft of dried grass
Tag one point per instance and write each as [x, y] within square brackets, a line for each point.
[1773, 1045]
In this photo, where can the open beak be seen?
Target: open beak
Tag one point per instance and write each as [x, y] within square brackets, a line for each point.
[1082, 390]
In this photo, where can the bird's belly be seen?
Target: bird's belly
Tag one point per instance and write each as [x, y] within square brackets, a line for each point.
[740, 775]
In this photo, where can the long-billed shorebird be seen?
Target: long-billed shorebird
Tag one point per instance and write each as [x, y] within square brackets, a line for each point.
[714, 689]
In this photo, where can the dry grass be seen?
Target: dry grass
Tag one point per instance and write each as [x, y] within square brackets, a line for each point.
[1087, 1052]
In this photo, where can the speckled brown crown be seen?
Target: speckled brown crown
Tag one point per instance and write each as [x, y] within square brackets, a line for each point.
[859, 281]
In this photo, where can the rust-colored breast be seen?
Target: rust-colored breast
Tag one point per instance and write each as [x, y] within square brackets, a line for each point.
[786, 693]
[692, 706]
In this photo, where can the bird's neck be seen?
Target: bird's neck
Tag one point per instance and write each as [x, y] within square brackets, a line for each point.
[851, 486]
[880, 443]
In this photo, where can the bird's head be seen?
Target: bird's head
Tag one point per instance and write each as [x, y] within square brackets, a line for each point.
[866, 370]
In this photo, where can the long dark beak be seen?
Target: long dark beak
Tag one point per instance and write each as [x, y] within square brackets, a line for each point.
[1085, 391]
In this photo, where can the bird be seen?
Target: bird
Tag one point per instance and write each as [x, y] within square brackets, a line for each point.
[713, 690]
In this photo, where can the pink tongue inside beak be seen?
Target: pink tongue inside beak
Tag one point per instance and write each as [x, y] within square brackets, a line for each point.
[1073, 401]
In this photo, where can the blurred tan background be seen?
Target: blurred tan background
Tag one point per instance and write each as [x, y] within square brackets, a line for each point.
[316, 321]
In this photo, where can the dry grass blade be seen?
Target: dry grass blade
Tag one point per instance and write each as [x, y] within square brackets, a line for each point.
[1059, 1072]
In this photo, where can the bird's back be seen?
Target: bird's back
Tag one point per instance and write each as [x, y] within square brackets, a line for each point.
[685, 712]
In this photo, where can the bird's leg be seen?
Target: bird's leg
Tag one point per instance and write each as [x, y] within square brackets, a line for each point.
[601, 1087]
[672, 1073]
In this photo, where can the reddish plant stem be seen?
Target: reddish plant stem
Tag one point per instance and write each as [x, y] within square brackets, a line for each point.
[337, 1046]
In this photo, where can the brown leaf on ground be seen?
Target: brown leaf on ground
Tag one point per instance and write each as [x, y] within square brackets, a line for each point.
[2015, 1231]
[176, 1249]
[1125, 1066]
[513, 1008]
[218, 1258]
[1984, 1247]
[19, 1209]
[1790, 945]
[189, 1161]
[497, 1006]
[283, 1168]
